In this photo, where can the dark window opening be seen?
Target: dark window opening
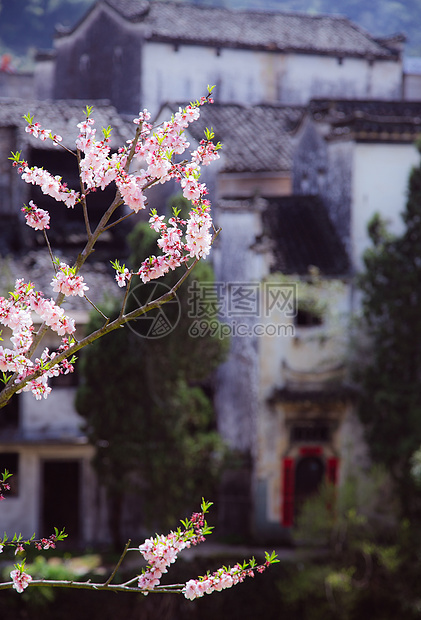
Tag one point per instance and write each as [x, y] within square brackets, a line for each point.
[313, 433]
[10, 461]
[306, 318]
[9, 415]
[61, 498]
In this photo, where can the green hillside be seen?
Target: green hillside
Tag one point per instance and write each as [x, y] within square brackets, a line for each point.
[26, 25]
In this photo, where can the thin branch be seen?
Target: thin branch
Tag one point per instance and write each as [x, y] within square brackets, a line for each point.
[133, 147]
[89, 247]
[47, 241]
[126, 294]
[127, 583]
[89, 585]
[83, 198]
[96, 308]
[121, 219]
[64, 147]
[113, 574]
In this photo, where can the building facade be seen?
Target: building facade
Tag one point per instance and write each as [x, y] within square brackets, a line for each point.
[316, 138]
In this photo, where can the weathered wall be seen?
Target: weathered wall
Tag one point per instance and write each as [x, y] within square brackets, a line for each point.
[303, 77]
[412, 87]
[237, 385]
[337, 192]
[44, 79]
[54, 417]
[180, 73]
[244, 185]
[379, 184]
[309, 168]
[101, 60]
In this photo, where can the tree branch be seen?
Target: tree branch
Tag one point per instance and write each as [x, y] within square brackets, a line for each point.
[89, 585]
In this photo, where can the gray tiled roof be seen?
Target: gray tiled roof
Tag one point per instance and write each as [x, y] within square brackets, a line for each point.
[183, 22]
[255, 138]
[370, 119]
[304, 236]
[61, 117]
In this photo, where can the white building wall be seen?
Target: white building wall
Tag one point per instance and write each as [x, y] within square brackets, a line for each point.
[43, 79]
[180, 73]
[237, 379]
[55, 415]
[302, 77]
[183, 73]
[379, 184]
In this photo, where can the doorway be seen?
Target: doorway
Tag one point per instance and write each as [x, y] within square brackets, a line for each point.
[60, 508]
[309, 474]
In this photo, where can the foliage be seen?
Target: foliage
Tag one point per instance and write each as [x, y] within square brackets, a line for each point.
[148, 409]
[317, 295]
[371, 565]
[390, 400]
[351, 565]
[26, 24]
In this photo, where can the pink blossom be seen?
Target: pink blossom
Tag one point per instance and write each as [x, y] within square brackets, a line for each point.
[70, 198]
[67, 282]
[198, 236]
[205, 153]
[131, 191]
[44, 134]
[35, 217]
[21, 580]
[34, 129]
[191, 188]
[122, 276]
[156, 222]
[49, 184]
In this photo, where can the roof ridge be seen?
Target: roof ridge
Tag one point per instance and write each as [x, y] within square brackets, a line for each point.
[244, 28]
